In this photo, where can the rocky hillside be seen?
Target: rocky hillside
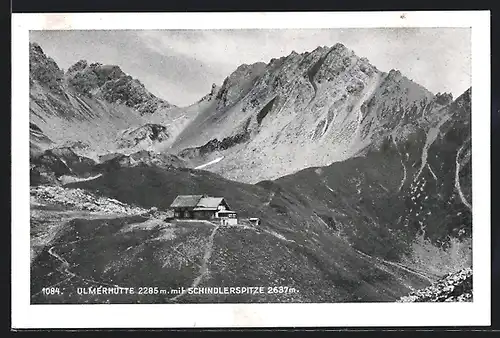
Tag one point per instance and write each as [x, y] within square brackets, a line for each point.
[305, 110]
[110, 83]
[112, 162]
[454, 287]
[38, 140]
[52, 164]
[78, 199]
[144, 137]
[99, 106]
[62, 165]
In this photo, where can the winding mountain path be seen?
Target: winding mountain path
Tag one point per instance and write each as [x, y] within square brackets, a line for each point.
[65, 269]
[397, 265]
[204, 266]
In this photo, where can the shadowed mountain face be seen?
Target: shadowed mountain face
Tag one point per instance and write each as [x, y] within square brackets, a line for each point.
[416, 192]
[362, 180]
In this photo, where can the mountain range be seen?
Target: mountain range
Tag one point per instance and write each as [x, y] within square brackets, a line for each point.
[362, 179]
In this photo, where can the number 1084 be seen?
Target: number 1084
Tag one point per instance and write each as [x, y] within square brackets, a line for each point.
[51, 291]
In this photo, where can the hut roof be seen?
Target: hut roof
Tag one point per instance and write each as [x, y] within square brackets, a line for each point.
[186, 201]
[209, 202]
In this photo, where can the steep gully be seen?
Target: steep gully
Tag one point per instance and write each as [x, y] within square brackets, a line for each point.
[402, 163]
[458, 165]
[431, 137]
[432, 171]
[372, 87]
[313, 71]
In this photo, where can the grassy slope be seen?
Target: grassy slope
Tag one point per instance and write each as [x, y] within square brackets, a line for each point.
[292, 247]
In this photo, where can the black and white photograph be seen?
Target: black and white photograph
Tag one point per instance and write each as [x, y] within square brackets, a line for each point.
[251, 165]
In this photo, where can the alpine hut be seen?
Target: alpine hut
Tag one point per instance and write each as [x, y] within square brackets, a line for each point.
[203, 207]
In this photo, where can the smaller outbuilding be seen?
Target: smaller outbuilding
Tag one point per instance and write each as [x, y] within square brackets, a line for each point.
[254, 221]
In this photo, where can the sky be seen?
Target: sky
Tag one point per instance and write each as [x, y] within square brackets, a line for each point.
[180, 66]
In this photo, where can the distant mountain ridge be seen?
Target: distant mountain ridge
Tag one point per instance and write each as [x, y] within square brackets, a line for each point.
[107, 82]
[113, 85]
[94, 104]
[304, 110]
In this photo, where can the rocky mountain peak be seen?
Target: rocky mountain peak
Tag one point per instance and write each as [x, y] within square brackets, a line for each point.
[339, 46]
[112, 84]
[444, 98]
[78, 66]
[238, 83]
[44, 69]
[329, 101]
[319, 49]
[394, 74]
[35, 48]
[93, 103]
[108, 82]
[214, 89]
